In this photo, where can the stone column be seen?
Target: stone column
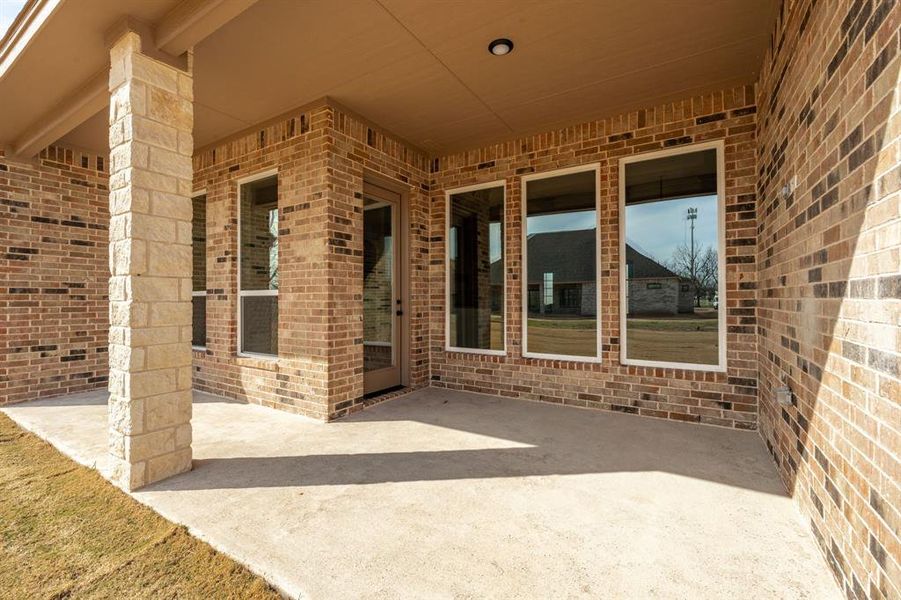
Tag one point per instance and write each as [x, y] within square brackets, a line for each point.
[151, 128]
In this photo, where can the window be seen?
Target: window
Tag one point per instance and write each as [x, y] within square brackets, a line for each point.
[672, 232]
[548, 290]
[198, 273]
[258, 271]
[560, 249]
[475, 269]
[534, 291]
[571, 296]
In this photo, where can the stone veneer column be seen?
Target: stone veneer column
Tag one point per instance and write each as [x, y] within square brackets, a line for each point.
[151, 143]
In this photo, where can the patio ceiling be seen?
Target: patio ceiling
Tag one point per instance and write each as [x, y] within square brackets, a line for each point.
[418, 69]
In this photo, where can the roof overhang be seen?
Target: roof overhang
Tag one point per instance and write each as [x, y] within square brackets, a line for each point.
[54, 60]
[419, 70]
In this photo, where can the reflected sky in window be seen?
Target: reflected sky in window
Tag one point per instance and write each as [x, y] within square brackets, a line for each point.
[570, 221]
[650, 227]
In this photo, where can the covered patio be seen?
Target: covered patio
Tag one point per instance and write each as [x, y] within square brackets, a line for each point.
[609, 219]
[526, 499]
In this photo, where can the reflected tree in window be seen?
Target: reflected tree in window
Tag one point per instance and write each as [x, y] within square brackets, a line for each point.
[672, 268]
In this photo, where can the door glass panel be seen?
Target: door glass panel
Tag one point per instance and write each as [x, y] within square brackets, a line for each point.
[378, 285]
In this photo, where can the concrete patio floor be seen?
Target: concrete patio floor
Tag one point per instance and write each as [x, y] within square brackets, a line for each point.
[448, 494]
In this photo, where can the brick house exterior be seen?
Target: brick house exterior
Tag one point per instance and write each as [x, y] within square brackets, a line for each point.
[812, 268]
[718, 398]
[321, 154]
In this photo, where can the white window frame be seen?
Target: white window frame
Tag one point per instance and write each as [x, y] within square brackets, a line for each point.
[596, 167]
[501, 183]
[194, 294]
[241, 294]
[719, 146]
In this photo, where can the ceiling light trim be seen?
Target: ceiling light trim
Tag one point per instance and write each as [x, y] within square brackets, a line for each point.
[501, 47]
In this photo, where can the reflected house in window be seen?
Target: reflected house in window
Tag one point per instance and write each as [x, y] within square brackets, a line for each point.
[569, 257]
[671, 234]
[561, 273]
[654, 289]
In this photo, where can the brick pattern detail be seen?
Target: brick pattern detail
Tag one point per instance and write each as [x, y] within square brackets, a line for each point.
[727, 399]
[321, 155]
[53, 293]
[151, 123]
[830, 288]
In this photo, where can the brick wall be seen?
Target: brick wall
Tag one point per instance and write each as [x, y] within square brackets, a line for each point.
[654, 295]
[358, 149]
[321, 155]
[829, 279]
[54, 219]
[727, 399]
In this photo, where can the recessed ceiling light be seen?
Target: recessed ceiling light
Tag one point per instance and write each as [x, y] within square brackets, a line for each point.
[500, 47]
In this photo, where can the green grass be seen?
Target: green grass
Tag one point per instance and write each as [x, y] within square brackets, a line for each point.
[673, 324]
[647, 324]
[564, 323]
[65, 532]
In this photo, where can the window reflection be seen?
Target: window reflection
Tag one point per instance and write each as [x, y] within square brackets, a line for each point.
[258, 259]
[198, 277]
[476, 269]
[672, 269]
[561, 268]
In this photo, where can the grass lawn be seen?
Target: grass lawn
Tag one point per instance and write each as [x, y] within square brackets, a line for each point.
[673, 339]
[674, 324]
[65, 532]
[589, 324]
[677, 338]
[695, 346]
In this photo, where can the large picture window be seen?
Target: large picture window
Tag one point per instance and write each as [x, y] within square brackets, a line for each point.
[475, 269]
[671, 244]
[258, 270]
[560, 248]
[198, 275]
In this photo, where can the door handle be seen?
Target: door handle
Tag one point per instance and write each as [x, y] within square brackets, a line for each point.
[399, 313]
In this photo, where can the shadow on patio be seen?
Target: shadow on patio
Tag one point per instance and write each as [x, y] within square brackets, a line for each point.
[443, 435]
[524, 499]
